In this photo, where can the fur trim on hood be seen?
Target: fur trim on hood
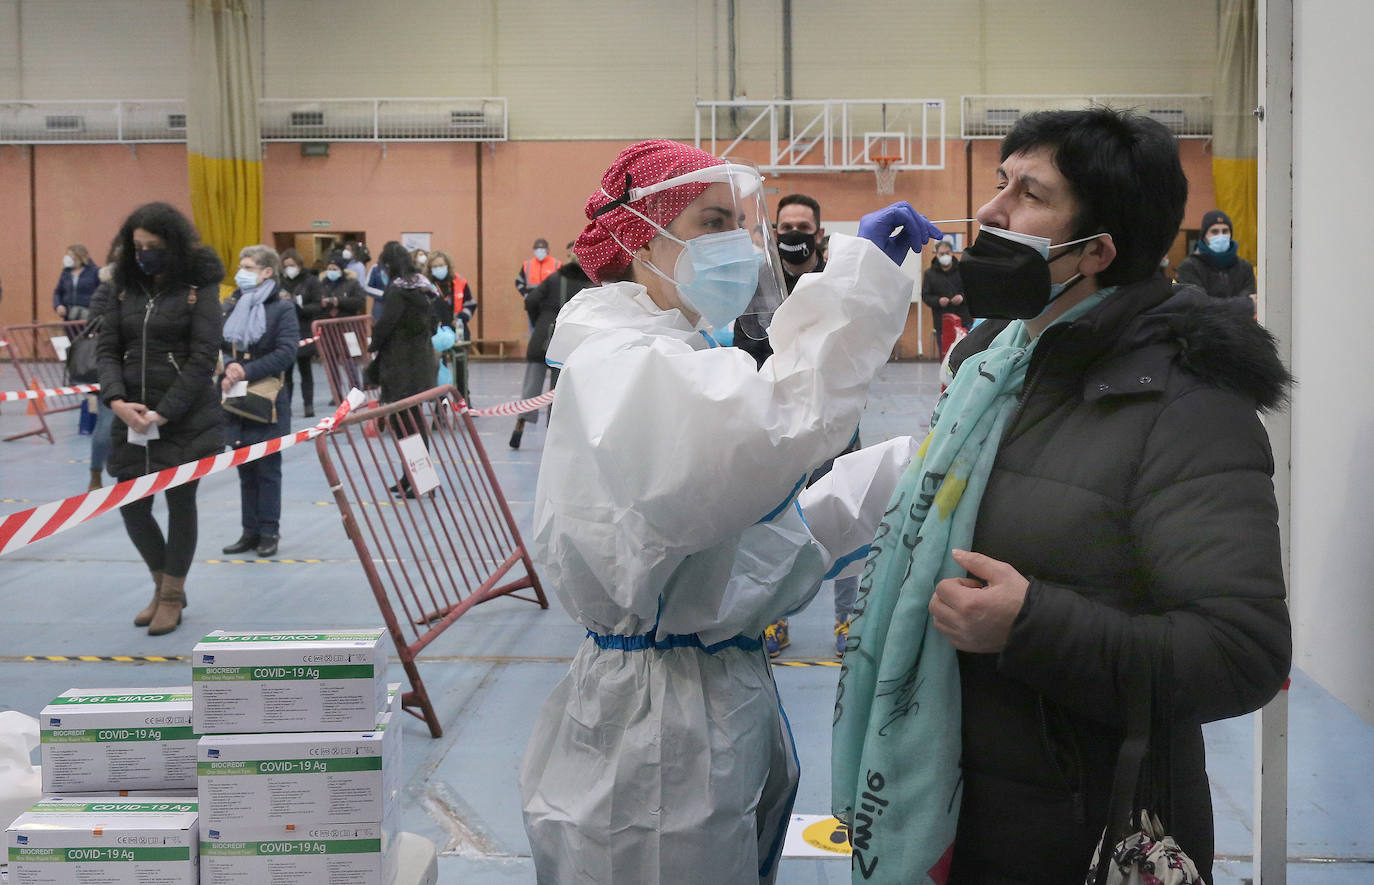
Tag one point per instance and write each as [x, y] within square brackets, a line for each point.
[1220, 341]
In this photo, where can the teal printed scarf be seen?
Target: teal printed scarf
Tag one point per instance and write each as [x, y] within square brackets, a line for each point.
[895, 778]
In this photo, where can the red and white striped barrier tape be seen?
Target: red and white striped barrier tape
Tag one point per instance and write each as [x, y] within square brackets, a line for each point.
[11, 396]
[27, 526]
[4, 343]
[533, 404]
[304, 341]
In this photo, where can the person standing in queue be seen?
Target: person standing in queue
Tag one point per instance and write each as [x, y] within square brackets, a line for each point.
[159, 344]
[304, 290]
[404, 362]
[1094, 500]
[71, 297]
[260, 342]
[943, 292]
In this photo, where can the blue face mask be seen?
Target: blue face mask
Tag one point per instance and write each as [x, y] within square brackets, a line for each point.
[717, 275]
[333, 275]
[440, 272]
[1219, 243]
[245, 279]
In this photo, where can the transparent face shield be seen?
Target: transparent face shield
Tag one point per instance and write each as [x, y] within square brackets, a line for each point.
[728, 266]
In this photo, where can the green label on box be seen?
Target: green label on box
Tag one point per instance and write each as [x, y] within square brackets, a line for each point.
[136, 807]
[301, 846]
[98, 855]
[103, 735]
[297, 637]
[124, 699]
[290, 766]
[263, 674]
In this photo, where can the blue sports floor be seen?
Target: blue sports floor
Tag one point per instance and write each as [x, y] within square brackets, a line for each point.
[76, 594]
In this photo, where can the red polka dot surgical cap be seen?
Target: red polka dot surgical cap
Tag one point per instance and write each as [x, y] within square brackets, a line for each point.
[639, 165]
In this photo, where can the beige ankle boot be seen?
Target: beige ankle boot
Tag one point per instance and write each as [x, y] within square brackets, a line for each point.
[145, 617]
[171, 599]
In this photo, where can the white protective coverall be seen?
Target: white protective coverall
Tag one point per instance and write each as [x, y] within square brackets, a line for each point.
[666, 521]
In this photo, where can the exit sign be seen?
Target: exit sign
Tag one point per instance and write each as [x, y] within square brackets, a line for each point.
[319, 224]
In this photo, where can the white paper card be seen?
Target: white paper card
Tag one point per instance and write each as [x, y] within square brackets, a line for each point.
[351, 339]
[423, 476]
[238, 388]
[61, 343]
[815, 835]
[142, 439]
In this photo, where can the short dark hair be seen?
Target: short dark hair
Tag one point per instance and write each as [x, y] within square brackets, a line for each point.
[395, 260]
[1125, 174]
[800, 200]
[179, 238]
[293, 255]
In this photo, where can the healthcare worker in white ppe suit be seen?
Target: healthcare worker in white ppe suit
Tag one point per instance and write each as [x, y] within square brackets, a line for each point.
[666, 515]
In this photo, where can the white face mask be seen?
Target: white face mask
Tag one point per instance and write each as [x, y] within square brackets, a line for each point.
[347, 254]
[421, 259]
[291, 271]
[68, 261]
[541, 254]
[945, 260]
[1043, 245]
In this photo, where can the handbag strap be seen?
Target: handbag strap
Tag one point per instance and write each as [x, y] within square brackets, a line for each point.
[1138, 685]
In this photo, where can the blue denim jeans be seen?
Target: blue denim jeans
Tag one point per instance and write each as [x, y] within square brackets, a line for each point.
[101, 442]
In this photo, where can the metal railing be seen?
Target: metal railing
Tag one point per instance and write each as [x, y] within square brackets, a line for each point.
[143, 121]
[830, 135]
[992, 116]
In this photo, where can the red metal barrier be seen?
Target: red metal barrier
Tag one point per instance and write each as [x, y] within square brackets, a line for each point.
[34, 351]
[343, 352]
[429, 554]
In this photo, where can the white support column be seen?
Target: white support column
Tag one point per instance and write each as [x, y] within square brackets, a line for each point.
[1275, 108]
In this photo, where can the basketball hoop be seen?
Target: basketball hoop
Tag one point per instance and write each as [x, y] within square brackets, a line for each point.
[885, 172]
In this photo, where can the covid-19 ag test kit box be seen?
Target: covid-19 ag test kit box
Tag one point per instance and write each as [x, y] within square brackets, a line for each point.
[328, 680]
[322, 854]
[98, 739]
[110, 840]
[251, 780]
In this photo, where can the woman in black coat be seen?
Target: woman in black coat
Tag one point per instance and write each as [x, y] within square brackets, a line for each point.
[305, 289]
[158, 347]
[260, 338]
[404, 363]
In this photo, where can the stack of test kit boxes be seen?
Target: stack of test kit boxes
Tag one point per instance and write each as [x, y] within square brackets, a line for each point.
[109, 741]
[100, 739]
[299, 765]
[106, 840]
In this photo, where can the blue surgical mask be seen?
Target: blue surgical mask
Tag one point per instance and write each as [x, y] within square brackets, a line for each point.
[440, 272]
[1219, 243]
[245, 279]
[717, 275]
[333, 275]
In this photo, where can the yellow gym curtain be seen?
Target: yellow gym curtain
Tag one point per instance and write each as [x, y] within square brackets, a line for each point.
[224, 148]
[1235, 131]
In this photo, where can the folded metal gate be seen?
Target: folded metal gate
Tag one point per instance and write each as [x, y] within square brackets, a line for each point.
[420, 502]
[38, 352]
[342, 346]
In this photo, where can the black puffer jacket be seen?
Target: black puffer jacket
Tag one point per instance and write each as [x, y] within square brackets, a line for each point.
[272, 354]
[305, 291]
[545, 300]
[1200, 270]
[405, 363]
[1133, 489]
[160, 349]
